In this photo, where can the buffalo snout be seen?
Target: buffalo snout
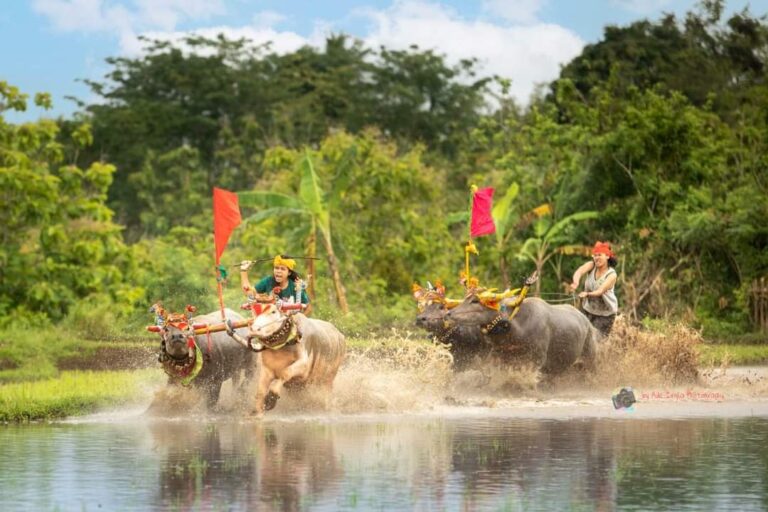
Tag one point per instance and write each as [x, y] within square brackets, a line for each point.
[177, 338]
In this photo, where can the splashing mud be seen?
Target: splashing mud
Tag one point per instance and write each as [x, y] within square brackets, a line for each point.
[648, 357]
[402, 373]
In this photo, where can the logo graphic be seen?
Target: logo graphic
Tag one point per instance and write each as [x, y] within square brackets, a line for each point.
[623, 399]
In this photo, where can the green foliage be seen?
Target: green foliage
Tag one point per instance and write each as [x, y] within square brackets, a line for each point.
[31, 351]
[71, 393]
[395, 236]
[702, 57]
[230, 100]
[360, 156]
[732, 354]
[58, 243]
[176, 270]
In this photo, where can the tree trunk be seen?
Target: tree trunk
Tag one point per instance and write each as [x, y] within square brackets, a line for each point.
[503, 269]
[341, 295]
[312, 253]
[539, 268]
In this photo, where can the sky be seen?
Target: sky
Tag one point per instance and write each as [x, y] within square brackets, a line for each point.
[53, 45]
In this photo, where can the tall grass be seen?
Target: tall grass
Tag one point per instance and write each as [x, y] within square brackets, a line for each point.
[31, 353]
[715, 355]
[73, 393]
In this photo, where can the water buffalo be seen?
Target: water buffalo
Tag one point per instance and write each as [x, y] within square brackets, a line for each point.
[203, 361]
[465, 341]
[294, 350]
[552, 337]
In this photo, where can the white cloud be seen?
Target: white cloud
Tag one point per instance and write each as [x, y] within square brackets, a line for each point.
[515, 11]
[166, 14]
[85, 15]
[124, 18]
[528, 54]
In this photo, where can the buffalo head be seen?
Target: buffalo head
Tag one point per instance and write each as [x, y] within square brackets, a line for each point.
[177, 335]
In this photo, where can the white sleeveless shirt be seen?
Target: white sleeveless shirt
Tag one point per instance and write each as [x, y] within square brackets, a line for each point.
[605, 305]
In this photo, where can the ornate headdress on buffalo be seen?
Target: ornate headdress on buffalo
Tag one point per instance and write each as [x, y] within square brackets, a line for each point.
[432, 295]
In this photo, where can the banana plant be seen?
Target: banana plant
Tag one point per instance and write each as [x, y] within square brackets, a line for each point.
[309, 204]
[549, 237]
[502, 213]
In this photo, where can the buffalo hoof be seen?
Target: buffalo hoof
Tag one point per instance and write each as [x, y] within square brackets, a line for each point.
[270, 401]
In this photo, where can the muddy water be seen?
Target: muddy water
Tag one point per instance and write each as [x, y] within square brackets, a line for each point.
[403, 432]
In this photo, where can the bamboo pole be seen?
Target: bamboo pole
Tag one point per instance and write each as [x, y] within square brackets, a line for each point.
[222, 326]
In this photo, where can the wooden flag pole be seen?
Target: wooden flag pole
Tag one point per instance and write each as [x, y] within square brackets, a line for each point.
[469, 247]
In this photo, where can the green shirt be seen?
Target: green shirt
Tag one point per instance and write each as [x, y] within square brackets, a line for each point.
[267, 284]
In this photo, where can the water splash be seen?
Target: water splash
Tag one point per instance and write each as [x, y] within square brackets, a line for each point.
[400, 373]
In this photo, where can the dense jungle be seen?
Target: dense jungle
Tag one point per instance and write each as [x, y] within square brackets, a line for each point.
[654, 138]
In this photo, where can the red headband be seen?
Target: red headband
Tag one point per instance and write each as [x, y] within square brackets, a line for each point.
[602, 248]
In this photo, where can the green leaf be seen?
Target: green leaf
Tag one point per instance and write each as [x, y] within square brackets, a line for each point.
[457, 217]
[501, 211]
[560, 225]
[312, 195]
[271, 213]
[261, 199]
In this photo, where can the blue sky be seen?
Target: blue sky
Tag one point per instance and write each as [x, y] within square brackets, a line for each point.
[57, 42]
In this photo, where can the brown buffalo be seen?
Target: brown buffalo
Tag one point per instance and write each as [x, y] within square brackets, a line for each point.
[295, 350]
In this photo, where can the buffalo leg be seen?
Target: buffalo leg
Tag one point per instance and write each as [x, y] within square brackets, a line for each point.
[300, 368]
[265, 379]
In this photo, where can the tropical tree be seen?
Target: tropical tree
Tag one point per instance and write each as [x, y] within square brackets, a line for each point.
[550, 237]
[58, 243]
[310, 204]
[502, 218]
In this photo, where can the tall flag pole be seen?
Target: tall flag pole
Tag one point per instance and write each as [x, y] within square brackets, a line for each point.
[480, 224]
[226, 217]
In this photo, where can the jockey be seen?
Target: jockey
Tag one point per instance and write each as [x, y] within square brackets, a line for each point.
[284, 281]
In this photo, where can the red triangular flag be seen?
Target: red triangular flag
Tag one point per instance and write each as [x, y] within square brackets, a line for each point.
[226, 217]
[482, 221]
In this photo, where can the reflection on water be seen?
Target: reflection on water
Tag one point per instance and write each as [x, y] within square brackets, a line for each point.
[387, 463]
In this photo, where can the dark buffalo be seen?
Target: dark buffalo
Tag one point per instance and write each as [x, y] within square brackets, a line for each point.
[551, 337]
[465, 342]
[203, 361]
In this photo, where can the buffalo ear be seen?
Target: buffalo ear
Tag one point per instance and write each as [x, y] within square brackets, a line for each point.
[418, 291]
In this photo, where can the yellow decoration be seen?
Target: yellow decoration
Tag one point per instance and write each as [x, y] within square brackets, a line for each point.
[471, 248]
[284, 262]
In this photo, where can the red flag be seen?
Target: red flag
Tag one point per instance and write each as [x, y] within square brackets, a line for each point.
[482, 221]
[226, 217]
